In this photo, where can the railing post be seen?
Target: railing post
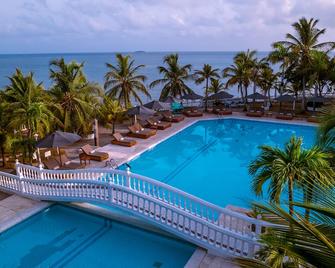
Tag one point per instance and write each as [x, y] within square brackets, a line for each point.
[18, 169]
[258, 226]
[41, 171]
[128, 177]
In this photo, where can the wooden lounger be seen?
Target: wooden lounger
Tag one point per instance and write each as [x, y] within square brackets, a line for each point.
[283, 116]
[155, 124]
[170, 117]
[120, 140]
[137, 131]
[51, 163]
[67, 164]
[254, 114]
[222, 111]
[88, 154]
[193, 113]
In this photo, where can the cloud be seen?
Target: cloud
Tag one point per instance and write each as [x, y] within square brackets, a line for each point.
[109, 25]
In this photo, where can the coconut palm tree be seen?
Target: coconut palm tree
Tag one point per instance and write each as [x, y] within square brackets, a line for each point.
[174, 78]
[256, 70]
[240, 73]
[110, 112]
[302, 43]
[287, 168]
[204, 75]
[123, 81]
[298, 242]
[28, 105]
[282, 55]
[76, 97]
[266, 80]
[216, 86]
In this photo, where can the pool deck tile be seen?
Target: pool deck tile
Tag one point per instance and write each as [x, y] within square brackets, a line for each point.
[15, 209]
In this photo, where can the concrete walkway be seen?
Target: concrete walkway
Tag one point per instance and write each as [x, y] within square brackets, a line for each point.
[15, 209]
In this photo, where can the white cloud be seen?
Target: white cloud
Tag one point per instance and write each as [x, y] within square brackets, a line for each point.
[153, 25]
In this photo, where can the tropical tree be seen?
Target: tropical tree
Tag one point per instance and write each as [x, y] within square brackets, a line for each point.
[174, 78]
[302, 43]
[240, 73]
[204, 75]
[216, 86]
[110, 112]
[266, 80]
[298, 242]
[76, 97]
[256, 70]
[28, 105]
[124, 83]
[282, 55]
[288, 167]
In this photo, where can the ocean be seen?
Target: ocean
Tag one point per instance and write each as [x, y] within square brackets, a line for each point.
[95, 65]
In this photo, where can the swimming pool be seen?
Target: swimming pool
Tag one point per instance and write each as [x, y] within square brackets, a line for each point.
[65, 237]
[210, 158]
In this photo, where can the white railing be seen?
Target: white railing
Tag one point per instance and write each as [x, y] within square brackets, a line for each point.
[217, 229]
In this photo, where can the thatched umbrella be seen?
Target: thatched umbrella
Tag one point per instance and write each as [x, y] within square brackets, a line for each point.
[140, 110]
[192, 96]
[287, 98]
[221, 95]
[157, 105]
[58, 139]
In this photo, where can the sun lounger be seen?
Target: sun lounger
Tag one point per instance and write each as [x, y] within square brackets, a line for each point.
[192, 113]
[170, 117]
[284, 116]
[222, 111]
[254, 113]
[137, 131]
[88, 154]
[68, 164]
[51, 163]
[156, 124]
[120, 140]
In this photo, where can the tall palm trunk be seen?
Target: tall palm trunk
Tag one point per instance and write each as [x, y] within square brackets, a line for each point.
[290, 195]
[303, 93]
[206, 96]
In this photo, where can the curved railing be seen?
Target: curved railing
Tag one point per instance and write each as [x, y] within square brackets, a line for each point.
[207, 225]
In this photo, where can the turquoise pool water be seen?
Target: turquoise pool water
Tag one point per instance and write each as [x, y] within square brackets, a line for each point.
[66, 237]
[210, 158]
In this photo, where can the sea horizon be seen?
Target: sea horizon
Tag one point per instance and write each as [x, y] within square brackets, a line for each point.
[95, 65]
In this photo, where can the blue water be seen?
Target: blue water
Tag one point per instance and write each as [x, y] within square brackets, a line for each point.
[95, 65]
[210, 158]
[65, 237]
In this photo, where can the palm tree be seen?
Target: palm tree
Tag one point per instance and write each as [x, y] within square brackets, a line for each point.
[204, 75]
[303, 242]
[76, 97]
[174, 78]
[123, 81]
[110, 112]
[266, 80]
[288, 167]
[240, 73]
[281, 54]
[305, 40]
[28, 106]
[257, 68]
[216, 86]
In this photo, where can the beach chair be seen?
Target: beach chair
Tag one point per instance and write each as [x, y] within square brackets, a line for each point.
[68, 164]
[192, 113]
[156, 124]
[120, 140]
[170, 117]
[254, 113]
[285, 116]
[51, 163]
[89, 154]
[137, 131]
[222, 111]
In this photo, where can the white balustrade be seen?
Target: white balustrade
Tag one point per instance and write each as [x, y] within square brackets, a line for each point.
[218, 229]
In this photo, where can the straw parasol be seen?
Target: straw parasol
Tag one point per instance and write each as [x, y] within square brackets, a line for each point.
[157, 105]
[58, 139]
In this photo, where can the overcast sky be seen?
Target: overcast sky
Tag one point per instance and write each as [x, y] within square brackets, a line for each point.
[153, 25]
